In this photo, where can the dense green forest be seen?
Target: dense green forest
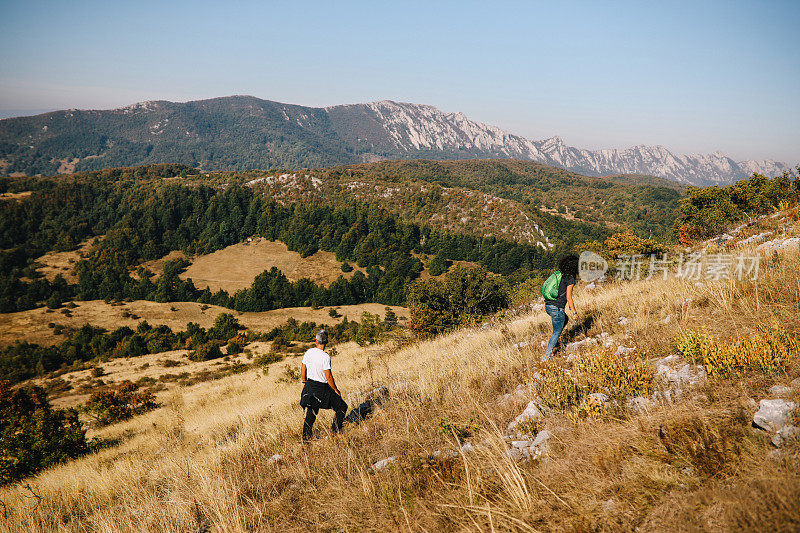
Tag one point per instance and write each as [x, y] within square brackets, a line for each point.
[143, 219]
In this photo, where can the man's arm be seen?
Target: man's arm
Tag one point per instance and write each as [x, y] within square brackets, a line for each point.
[331, 382]
[569, 299]
[303, 372]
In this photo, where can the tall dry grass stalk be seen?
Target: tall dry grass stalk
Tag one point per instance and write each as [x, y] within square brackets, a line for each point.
[200, 462]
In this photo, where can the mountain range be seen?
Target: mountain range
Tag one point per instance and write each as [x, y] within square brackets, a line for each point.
[242, 132]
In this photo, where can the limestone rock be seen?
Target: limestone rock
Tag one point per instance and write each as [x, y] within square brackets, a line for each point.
[780, 390]
[685, 375]
[772, 415]
[377, 396]
[530, 414]
[276, 459]
[785, 435]
[606, 339]
[577, 345]
[505, 399]
[599, 397]
[756, 238]
[529, 448]
[792, 243]
[449, 454]
[520, 393]
[623, 350]
[383, 464]
[639, 404]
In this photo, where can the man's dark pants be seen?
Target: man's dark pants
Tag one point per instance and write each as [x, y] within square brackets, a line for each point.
[315, 396]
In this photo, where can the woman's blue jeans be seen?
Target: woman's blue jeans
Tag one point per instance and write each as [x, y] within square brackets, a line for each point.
[559, 317]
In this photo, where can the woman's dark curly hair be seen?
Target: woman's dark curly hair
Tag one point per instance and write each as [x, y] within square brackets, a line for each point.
[568, 265]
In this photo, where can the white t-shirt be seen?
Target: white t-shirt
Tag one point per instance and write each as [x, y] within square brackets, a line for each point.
[317, 362]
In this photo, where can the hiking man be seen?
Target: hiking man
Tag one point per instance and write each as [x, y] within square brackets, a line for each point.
[320, 391]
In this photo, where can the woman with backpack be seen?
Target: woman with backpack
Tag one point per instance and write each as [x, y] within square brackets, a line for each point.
[557, 292]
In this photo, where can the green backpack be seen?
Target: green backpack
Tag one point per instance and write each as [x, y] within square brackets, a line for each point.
[550, 287]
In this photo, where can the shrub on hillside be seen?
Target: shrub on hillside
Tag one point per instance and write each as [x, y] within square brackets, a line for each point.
[768, 350]
[626, 243]
[115, 404]
[204, 352]
[465, 295]
[225, 326]
[708, 210]
[390, 317]
[620, 376]
[33, 435]
[235, 346]
[371, 329]
[268, 358]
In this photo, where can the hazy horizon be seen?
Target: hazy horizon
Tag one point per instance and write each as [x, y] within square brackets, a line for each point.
[693, 77]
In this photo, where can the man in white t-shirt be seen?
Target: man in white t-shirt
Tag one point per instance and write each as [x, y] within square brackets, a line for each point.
[320, 391]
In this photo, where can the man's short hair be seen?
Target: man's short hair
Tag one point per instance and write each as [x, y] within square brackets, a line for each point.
[322, 336]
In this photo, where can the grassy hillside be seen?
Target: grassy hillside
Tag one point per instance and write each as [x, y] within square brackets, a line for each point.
[682, 456]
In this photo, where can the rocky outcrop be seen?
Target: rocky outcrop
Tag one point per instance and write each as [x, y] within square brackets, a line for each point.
[772, 415]
[530, 417]
[530, 448]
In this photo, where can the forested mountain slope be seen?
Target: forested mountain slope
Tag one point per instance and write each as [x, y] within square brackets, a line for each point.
[145, 213]
[645, 204]
[244, 132]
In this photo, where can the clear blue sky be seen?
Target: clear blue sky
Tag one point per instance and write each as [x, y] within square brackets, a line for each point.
[694, 76]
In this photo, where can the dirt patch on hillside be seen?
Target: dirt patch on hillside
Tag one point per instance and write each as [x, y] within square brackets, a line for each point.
[236, 266]
[55, 263]
[15, 195]
[156, 266]
[426, 275]
[66, 166]
[33, 325]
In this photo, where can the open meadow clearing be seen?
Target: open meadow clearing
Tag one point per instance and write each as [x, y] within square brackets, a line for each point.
[33, 325]
[236, 266]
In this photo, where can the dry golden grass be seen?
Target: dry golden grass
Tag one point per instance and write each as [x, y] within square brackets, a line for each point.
[201, 461]
[32, 325]
[236, 266]
[55, 263]
[15, 195]
[152, 366]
